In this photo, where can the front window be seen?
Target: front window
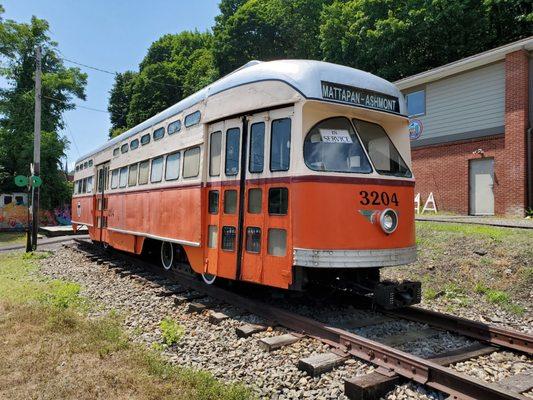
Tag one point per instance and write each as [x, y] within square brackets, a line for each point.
[332, 146]
[384, 156]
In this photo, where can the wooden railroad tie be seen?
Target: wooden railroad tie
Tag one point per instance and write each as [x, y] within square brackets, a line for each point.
[217, 317]
[247, 330]
[318, 364]
[195, 308]
[190, 296]
[276, 342]
[374, 385]
[519, 383]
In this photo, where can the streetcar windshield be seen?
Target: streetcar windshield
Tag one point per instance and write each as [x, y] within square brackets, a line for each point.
[332, 146]
[381, 150]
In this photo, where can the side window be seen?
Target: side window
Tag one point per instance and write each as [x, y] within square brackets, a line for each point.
[132, 177]
[86, 164]
[257, 145]
[416, 103]
[159, 133]
[212, 236]
[277, 242]
[114, 179]
[8, 200]
[145, 139]
[84, 186]
[228, 238]
[174, 127]
[213, 202]
[278, 201]
[134, 144]
[157, 170]
[253, 239]
[172, 168]
[90, 163]
[123, 180]
[280, 145]
[144, 167]
[192, 119]
[115, 152]
[215, 148]
[230, 202]
[124, 148]
[232, 151]
[191, 162]
[89, 184]
[255, 197]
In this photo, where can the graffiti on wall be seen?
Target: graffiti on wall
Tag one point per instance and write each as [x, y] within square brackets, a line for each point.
[14, 213]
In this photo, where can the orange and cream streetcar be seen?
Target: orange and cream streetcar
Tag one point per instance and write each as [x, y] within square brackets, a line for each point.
[283, 173]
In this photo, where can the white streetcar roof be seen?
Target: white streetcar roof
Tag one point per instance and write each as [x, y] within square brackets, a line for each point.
[305, 76]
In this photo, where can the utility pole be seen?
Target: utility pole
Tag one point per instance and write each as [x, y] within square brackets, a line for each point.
[36, 147]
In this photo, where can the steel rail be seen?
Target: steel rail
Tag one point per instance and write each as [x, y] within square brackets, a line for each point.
[423, 371]
[502, 337]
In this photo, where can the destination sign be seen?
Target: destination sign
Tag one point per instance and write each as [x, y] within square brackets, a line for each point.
[359, 97]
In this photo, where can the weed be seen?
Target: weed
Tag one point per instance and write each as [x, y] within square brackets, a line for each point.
[497, 296]
[430, 294]
[171, 331]
[63, 295]
[480, 288]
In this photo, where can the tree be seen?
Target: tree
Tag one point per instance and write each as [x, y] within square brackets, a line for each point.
[59, 86]
[119, 102]
[395, 39]
[174, 67]
[266, 30]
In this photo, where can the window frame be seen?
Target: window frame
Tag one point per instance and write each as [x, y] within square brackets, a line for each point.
[176, 122]
[116, 151]
[211, 153]
[149, 139]
[160, 129]
[209, 210]
[238, 152]
[116, 170]
[126, 169]
[281, 188]
[178, 153]
[147, 162]
[250, 149]
[136, 146]
[162, 158]
[188, 117]
[271, 141]
[224, 228]
[136, 165]
[356, 135]
[198, 164]
[421, 90]
[126, 147]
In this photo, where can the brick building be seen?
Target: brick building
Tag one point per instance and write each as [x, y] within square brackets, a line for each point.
[471, 131]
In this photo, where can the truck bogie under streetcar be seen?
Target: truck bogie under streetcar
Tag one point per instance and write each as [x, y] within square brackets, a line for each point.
[283, 173]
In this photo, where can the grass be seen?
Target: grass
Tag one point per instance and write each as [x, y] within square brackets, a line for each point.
[171, 331]
[50, 347]
[11, 238]
[453, 259]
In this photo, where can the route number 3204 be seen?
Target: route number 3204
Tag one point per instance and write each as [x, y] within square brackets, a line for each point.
[378, 198]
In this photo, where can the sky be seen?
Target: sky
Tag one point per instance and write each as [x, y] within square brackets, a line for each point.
[113, 35]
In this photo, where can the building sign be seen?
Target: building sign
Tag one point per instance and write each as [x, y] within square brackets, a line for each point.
[359, 97]
[415, 129]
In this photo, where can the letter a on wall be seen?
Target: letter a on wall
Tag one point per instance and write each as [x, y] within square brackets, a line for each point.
[430, 204]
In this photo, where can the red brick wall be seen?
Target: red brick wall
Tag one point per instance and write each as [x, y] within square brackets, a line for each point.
[516, 124]
[443, 169]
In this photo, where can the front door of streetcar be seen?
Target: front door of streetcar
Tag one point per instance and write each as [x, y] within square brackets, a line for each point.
[101, 201]
[266, 219]
[248, 215]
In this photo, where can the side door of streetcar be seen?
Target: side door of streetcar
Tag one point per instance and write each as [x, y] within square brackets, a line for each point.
[101, 202]
[265, 256]
[223, 189]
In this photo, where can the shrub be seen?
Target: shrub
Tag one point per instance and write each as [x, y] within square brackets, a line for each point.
[171, 331]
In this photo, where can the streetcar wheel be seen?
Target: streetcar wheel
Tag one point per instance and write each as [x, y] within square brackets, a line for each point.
[209, 279]
[167, 255]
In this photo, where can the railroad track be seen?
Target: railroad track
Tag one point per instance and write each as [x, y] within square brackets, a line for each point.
[392, 364]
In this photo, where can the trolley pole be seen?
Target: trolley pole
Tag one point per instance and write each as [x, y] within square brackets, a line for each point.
[36, 147]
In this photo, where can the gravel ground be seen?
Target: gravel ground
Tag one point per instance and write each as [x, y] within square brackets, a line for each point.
[215, 347]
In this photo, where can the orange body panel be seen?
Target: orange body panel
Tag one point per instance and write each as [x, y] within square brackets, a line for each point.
[328, 216]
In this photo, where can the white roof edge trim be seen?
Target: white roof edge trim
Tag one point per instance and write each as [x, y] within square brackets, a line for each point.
[304, 76]
[465, 64]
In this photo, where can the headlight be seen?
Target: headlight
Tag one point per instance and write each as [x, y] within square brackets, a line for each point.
[388, 220]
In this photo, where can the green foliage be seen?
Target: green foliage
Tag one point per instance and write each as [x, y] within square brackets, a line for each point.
[396, 39]
[430, 294]
[63, 295]
[171, 331]
[17, 48]
[266, 30]
[174, 67]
